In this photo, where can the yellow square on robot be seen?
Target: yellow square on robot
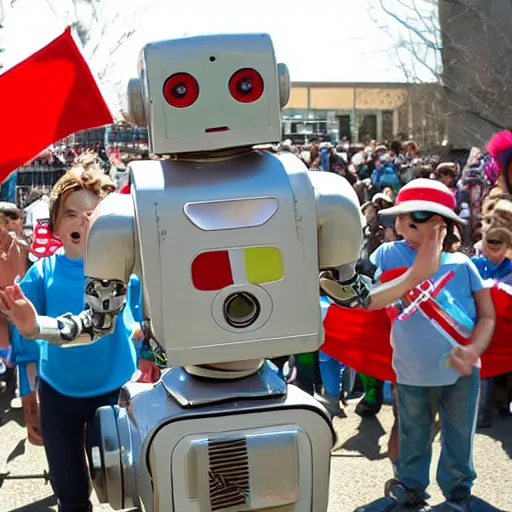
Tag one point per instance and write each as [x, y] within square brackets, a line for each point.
[263, 264]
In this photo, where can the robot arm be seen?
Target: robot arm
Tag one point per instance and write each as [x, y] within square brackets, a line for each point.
[340, 233]
[110, 258]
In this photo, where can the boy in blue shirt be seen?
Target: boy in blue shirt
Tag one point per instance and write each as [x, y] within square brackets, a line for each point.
[493, 262]
[425, 361]
[73, 383]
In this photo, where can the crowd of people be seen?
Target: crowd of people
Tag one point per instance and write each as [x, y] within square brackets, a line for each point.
[480, 227]
[378, 171]
[470, 222]
[63, 156]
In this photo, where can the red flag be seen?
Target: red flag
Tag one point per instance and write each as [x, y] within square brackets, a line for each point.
[360, 338]
[45, 98]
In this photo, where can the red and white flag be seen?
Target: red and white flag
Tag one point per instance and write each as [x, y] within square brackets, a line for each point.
[45, 98]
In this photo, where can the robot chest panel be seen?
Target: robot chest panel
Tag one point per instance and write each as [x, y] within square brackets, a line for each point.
[243, 222]
[244, 215]
[237, 251]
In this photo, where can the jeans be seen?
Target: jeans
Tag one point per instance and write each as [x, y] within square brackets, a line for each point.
[63, 424]
[335, 375]
[458, 407]
[331, 372]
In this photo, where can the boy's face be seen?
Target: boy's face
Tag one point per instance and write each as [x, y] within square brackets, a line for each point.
[495, 248]
[446, 179]
[414, 226]
[73, 221]
[13, 222]
[389, 235]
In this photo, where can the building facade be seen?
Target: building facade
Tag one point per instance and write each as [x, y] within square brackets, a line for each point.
[359, 112]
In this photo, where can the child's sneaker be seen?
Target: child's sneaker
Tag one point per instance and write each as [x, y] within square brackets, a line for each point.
[397, 499]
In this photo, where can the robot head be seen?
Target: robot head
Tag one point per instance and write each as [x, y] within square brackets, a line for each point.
[208, 93]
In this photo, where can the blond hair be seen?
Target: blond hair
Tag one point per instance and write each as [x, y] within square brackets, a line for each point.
[86, 173]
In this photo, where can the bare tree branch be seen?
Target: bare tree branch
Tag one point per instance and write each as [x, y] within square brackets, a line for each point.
[467, 46]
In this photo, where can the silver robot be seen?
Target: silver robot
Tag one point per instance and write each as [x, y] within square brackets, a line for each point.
[228, 241]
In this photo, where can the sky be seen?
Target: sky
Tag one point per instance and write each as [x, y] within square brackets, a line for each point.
[336, 41]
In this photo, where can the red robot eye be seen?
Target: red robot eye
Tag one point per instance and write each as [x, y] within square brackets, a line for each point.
[246, 85]
[181, 90]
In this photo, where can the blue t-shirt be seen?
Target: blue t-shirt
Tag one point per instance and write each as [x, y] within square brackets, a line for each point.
[385, 176]
[488, 270]
[419, 349]
[55, 285]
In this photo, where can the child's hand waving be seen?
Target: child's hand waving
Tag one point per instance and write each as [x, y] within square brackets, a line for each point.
[19, 310]
[428, 258]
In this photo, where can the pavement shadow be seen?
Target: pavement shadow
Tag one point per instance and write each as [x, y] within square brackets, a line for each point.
[365, 441]
[44, 505]
[13, 414]
[500, 431]
[18, 451]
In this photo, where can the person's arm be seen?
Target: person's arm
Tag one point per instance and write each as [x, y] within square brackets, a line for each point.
[387, 293]
[486, 314]
[463, 359]
[134, 302]
[27, 375]
[426, 263]
[25, 352]
[484, 328]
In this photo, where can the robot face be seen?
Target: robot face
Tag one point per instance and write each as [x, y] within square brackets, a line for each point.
[211, 92]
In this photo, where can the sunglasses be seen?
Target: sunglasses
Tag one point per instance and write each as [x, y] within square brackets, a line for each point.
[421, 217]
[494, 242]
[12, 215]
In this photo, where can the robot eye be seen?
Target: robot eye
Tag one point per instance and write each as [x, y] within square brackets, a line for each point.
[181, 90]
[246, 85]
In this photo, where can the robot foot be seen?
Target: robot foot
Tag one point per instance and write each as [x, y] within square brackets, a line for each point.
[331, 404]
[397, 499]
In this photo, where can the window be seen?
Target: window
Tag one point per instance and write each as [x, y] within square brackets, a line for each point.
[387, 125]
[368, 128]
[344, 127]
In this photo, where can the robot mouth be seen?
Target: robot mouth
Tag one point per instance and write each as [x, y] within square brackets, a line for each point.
[217, 129]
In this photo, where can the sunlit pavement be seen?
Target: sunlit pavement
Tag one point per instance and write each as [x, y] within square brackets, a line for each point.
[359, 464]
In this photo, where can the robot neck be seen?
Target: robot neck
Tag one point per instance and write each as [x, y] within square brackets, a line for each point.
[212, 156]
[226, 371]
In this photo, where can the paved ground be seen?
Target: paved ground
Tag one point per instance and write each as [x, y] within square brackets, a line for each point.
[359, 464]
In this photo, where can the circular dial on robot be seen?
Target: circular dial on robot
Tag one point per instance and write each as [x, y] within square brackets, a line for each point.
[241, 309]
[246, 85]
[181, 90]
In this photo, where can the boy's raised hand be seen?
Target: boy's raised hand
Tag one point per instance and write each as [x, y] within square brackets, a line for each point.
[428, 258]
[19, 310]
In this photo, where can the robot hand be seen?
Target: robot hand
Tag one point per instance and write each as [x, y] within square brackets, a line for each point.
[104, 299]
[349, 293]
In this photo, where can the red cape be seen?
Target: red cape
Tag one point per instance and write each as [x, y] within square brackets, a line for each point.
[360, 338]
